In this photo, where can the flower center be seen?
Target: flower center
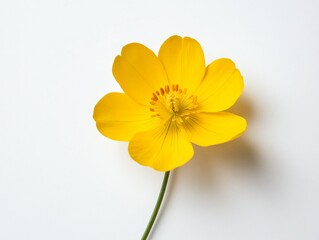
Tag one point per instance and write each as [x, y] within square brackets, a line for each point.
[173, 102]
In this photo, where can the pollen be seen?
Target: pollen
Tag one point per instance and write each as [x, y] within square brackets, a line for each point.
[173, 102]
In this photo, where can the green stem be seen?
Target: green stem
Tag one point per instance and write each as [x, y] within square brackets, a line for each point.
[157, 207]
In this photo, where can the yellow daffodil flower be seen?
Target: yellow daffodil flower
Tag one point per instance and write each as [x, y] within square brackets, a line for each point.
[169, 102]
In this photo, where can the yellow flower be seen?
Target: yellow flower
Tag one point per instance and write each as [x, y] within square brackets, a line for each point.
[169, 102]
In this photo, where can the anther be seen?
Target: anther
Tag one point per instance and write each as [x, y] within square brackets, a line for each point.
[152, 110]
[157, 92]
[154, 98]
[162, 91]
[167, 89]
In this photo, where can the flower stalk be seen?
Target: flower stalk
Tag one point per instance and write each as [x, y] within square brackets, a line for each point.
[157, 207]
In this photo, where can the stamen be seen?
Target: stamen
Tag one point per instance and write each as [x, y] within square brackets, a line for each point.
[167, 89]
[154, 98]
[162, 91]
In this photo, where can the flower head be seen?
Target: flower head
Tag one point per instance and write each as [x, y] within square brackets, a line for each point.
[169, 102]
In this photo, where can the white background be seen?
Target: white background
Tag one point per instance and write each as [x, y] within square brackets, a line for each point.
[61, 179]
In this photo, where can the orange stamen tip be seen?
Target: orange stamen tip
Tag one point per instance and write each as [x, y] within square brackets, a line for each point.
[167, 89]
[162, 91]
[154, 98]
[157, 92]
[152, 109]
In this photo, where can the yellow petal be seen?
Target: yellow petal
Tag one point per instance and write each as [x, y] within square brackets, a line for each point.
[221, 87]
[119, 118]
[162, 148]
[184, 61]
[205, 129]
[139, 72]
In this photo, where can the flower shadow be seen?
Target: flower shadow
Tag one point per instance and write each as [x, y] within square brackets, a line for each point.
[239, 155]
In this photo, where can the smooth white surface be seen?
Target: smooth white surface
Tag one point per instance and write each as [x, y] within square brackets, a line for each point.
[61, 179]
